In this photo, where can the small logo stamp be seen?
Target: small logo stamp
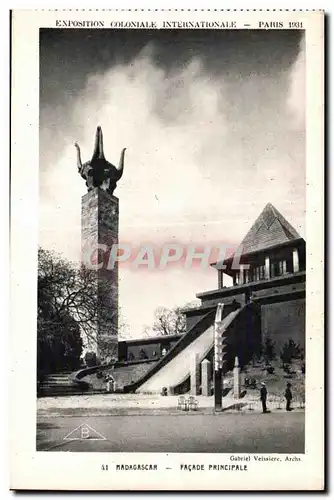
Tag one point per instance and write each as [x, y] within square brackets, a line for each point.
[82, 432]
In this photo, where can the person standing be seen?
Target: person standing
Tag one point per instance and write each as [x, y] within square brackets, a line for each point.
[108, 380]
[288, 396]
[263, 397]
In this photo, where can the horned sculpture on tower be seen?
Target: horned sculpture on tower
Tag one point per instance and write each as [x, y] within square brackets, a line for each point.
[98, 172]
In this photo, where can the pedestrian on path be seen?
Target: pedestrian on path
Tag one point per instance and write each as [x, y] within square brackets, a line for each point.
[109, 382]
[263, 397]
[288, 396]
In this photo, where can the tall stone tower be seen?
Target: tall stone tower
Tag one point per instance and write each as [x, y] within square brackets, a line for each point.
[99, 232]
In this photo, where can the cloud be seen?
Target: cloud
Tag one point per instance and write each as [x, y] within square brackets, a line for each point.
[204, 156]
[297, 92]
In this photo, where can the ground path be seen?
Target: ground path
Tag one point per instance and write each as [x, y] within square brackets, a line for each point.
[185, 433]
[139, 404]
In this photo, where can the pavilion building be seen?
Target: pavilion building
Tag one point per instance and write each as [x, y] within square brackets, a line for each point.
[265, 301]
[268, 269]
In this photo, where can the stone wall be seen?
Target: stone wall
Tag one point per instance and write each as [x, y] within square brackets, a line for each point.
[125, 375]
[283, 321]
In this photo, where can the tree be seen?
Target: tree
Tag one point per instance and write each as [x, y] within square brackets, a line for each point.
[72, 300]
[169, 321]
[123, 327]
[59, 347]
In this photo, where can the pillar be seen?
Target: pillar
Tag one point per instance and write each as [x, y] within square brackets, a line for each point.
[236, 379]
[220, 279]
[284, 267]
[267, 267]
[295, 260]
[99, 228]
[218, 389]
[206, 383]
[194, 375]
[241, 280]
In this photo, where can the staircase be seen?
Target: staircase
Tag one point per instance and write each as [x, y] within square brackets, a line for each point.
[60, 384]
[173, 369]
[177, 369]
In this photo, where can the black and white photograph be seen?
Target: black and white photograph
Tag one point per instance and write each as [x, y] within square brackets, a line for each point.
[172, 258]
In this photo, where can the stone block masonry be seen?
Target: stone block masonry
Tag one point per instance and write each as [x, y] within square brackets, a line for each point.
[99, 226]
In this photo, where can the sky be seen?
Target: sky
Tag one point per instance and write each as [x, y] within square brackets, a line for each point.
[214, 126]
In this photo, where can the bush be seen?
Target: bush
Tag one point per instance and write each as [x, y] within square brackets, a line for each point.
[257, 358]
[269, 349]
[290, 351]
[250, 383]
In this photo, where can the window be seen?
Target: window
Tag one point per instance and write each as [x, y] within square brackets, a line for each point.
[289, 265]
[258, 273]
[278, 268]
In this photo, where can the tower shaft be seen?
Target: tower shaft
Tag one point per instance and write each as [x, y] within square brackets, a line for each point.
[99, 232]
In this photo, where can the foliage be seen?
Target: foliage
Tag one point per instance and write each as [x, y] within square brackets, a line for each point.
[269, 349]
[90, 359]
[270, 369]
[168, 321]
[250, 382]
[290, 351]
[59, 347]
[71, 299]
[257, 354]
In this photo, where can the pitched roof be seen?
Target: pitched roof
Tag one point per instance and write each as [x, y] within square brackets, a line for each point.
[269, 229]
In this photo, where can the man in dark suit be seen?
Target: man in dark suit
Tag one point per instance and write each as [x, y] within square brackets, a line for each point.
[288, 396]
[263, 397]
